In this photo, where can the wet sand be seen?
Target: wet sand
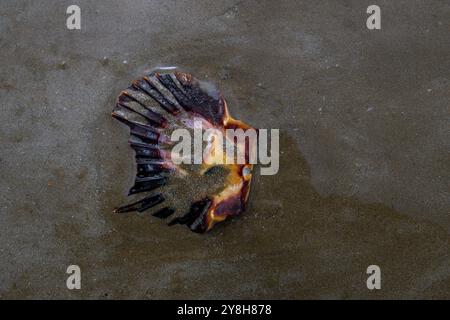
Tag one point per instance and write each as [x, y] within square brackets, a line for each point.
[364, 137]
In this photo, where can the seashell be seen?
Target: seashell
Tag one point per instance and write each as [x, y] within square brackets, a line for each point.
[195, 195]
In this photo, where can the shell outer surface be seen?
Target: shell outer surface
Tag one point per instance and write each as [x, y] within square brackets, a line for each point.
[198, 196]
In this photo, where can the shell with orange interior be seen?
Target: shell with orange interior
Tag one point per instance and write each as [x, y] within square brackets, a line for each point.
[195, 195]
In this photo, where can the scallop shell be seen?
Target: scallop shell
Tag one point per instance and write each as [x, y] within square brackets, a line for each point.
[197, 196]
